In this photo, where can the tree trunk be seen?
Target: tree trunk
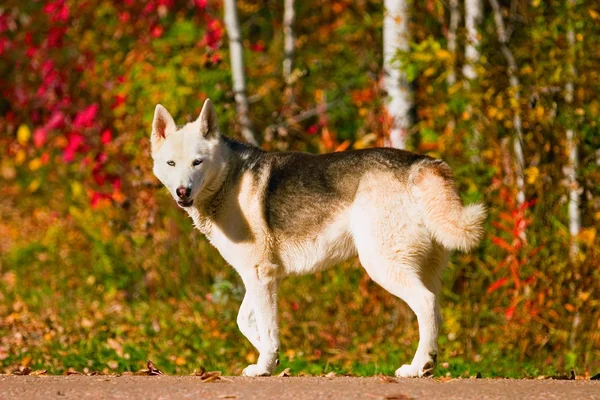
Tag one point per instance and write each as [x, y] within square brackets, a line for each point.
[515, 86]
[472, 20]
[399, 103]
[454, 20]
[289, 16]
[237, 71]
[572, 183]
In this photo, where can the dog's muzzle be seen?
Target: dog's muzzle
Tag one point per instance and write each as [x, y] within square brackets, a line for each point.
[185, 203]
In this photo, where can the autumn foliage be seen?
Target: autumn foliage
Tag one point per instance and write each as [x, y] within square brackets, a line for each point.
[96, 270]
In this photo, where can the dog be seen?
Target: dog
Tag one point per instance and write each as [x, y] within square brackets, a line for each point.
[274, 214]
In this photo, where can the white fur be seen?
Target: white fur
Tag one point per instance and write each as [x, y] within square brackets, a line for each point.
[401, 237]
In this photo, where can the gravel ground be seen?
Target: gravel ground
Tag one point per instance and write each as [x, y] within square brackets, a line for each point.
[189, 387]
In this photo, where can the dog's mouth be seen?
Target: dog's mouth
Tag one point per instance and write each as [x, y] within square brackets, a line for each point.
[185, 203]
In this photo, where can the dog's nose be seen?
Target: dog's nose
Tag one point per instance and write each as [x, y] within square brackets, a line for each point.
[183, 192]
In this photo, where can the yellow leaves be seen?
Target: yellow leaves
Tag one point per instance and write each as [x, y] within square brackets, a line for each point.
[76, 189]
[180, 361]
[23, 134]
[532, 174]
[587, 236]
[35, 164]
[34, 185]
[251, 357]
[20, 157]
[365, 141]
[595, 15]
[539, 111]
[443, 54]
[579, 37]
[429, 71]
[526, 70]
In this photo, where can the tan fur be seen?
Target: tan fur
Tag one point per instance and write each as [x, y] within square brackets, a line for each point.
[450, 223]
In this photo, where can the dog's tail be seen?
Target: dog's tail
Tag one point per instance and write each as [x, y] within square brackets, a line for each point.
[452, 224]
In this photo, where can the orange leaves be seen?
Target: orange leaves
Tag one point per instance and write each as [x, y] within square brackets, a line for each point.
[496, 285]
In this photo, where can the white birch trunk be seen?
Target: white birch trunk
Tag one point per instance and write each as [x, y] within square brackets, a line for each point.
[572, 183]
[237, 71]
[473, 15]
[399, 103]
[289, 16]
[515, 86]
[472, 21]
[454, 20]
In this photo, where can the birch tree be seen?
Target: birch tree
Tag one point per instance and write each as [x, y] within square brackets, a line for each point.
[289, 16]
[399, 102]
[573, 165]
[472, 21]
[516, 93]
[238, 74]
[454, 20]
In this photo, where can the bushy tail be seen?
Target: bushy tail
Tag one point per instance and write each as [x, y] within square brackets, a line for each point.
[449, 222]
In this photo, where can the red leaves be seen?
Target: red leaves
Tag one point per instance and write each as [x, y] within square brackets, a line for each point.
[201, 4]
[496, 285]
[258, 47]
[74, 141]
[85, 118]
[503, 244]
[213, 34]
[106, 136]
[57, 10]
[157, 31]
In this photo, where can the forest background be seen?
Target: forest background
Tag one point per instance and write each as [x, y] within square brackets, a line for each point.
[100, 270]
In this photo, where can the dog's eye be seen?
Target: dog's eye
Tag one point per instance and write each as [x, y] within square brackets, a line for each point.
[171, 163]
[196, 162]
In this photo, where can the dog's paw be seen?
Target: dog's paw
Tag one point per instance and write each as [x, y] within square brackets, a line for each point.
[255, 370]
[411, 371]
[407, 371]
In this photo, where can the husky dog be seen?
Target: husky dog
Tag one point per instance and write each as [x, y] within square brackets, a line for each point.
[275, 214]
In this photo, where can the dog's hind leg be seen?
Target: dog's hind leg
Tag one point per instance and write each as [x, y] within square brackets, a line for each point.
[401, 257]
[403, 281]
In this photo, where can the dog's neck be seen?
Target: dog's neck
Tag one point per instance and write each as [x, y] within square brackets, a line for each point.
[208, 202]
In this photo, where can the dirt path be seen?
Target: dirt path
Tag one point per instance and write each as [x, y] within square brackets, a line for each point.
[173, 387]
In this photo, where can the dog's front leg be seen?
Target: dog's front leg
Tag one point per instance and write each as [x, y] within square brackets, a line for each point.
[261, 287]
[247, 322]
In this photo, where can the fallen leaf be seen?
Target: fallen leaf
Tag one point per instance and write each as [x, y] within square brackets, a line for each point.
[22, 371]
[210, 376]
[387, 379]
[39, 372]
[595, 377]
[331, 375]
[284, 373]
[152, 370]
[72, 371]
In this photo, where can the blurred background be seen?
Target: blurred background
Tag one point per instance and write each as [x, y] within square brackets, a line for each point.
[100, 270]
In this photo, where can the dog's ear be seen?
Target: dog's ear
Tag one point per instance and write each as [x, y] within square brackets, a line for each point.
[208, 120]
[162, 125]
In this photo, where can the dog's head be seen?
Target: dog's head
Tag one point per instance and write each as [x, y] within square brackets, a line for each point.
[187, 159]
